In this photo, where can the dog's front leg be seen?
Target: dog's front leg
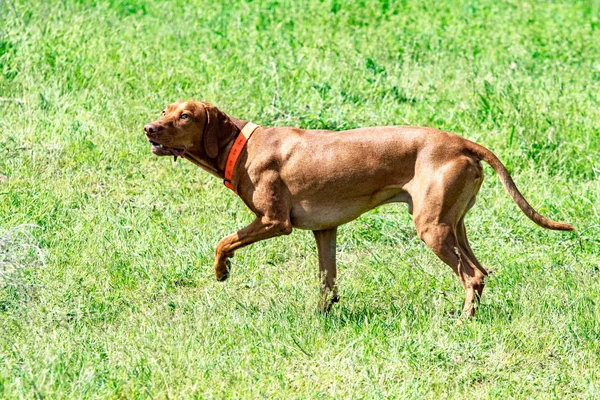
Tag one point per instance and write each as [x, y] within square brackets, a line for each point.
[326, 246]
[261, 228]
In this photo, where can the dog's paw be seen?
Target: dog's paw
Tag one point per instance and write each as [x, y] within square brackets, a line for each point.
[222, 270]
[325, 305]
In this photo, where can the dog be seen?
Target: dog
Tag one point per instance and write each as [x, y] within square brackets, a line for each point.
[320, 179]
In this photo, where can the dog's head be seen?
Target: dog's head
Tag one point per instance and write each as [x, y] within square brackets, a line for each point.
[188, 126]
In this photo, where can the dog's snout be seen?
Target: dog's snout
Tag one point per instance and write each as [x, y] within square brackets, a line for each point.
[151, 128]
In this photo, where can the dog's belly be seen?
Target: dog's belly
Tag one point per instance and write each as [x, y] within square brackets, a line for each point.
[330, 211]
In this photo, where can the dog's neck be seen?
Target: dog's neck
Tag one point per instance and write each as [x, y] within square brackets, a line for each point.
[238, 123]
[216, 166]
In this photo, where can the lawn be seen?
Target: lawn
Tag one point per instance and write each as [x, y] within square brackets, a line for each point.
[106, 252]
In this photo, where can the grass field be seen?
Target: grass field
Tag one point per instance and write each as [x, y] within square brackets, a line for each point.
[124, 303]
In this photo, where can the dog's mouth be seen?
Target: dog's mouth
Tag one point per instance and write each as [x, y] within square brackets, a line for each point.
[160, 149]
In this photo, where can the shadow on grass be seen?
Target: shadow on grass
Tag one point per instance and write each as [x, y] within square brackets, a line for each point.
[415, 315]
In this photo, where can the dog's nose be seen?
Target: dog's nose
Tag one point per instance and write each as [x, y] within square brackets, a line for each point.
[150, 128]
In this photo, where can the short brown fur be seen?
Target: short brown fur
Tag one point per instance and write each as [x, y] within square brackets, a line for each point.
[318, 180]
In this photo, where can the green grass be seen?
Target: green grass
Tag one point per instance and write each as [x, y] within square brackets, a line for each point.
[126, 305]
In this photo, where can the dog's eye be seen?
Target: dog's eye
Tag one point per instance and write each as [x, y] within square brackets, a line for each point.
[164, 113]
[184, 116]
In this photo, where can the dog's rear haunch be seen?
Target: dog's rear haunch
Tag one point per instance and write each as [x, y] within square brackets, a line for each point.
[318, 180]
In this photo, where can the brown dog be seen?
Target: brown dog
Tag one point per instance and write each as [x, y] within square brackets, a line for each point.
[318, 180]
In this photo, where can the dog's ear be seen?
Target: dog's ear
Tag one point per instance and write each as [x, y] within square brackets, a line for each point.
[211, 131]
[218, 128]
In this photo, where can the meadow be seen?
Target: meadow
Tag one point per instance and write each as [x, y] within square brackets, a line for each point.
[106, 281]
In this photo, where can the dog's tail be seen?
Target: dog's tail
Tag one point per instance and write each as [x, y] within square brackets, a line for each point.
[509, 185]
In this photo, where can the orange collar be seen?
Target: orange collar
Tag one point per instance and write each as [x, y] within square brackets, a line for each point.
[236, 150]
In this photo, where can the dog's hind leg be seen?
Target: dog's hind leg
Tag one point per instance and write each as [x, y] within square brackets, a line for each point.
[442, 239]
[461, 234]
[326, 246]
[439, 206]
